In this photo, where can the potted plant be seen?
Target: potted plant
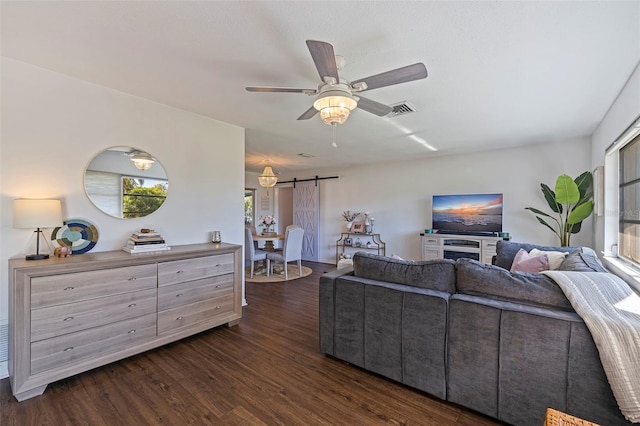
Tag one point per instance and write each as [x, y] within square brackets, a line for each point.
[350, 217]
[268, 222]
[571, 202]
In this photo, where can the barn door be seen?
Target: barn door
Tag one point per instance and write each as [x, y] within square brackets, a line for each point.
[306, 214]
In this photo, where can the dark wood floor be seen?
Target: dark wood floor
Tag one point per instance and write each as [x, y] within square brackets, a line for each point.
[265, 371]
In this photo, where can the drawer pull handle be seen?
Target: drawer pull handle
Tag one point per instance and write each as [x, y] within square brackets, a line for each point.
[70, 348]
[179, 295]
[218, 286]
[179, 318]
[218, 307]
[131, 305]
[218, 265]
[132, 279]
[68, 288]
[131, 331]
[68, 319]
[180, 272]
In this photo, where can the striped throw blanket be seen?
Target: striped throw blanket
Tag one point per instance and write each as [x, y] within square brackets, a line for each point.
[611, 311]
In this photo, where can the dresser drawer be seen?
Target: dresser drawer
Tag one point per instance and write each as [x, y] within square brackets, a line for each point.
[72, 317]
[175, 295]
[183, 317]
[65, 288]
[489, 246]
[72, 348]
[192, 269]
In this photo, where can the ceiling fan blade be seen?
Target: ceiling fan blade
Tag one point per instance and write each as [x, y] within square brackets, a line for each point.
[324, 58]
[399, 75]
[281, 89]
[373, 107]
[308, 114]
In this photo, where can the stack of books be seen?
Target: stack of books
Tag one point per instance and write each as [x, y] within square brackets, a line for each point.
[145, 242]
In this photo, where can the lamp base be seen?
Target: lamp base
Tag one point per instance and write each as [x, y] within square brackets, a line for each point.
[37, 256]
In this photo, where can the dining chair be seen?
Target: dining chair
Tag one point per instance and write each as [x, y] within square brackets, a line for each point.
[250, 252]
[253, 232]
[291, 250]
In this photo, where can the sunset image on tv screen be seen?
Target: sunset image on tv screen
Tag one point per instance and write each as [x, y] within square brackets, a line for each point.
[467, 213]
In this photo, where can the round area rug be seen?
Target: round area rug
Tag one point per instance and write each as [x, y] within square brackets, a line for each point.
[260, 274]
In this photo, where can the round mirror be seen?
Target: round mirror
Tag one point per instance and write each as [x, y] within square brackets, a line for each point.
[126, 182]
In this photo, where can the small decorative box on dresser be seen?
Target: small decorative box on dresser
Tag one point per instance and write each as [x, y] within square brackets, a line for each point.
[69, 315]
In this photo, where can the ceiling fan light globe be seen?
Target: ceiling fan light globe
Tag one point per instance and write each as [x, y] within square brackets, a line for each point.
[142, 161]
[334, 115]
[335, 106]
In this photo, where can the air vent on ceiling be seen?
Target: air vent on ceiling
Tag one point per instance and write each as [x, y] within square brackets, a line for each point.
[401, 108]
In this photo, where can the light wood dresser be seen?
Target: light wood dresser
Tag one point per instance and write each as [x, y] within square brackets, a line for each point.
[69, 315]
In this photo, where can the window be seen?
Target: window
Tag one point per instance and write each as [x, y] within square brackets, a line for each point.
[629, 198]
[142, 196]
[249, 202]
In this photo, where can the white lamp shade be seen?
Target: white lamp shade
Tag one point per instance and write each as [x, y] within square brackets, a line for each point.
[37, 213]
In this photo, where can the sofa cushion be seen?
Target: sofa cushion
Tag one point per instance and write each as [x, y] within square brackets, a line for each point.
[584, 260]
[479, 279]
[432, 274]
[555, 257]
[524, 262]
[506, 251]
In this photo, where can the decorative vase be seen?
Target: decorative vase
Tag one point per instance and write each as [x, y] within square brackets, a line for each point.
[367, 224]
[349, 225]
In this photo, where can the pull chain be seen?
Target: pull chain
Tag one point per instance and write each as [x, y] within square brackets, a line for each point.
[334, 144]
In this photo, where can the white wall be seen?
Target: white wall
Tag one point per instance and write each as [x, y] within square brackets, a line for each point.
[398, 195]
[53, 125]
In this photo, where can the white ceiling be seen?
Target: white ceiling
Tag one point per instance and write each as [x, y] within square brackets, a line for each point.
[500, 73]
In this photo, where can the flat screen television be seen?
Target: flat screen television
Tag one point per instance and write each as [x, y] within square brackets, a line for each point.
[469, 213]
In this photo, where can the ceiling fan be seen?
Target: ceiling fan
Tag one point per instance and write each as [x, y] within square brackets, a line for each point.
[336, 97]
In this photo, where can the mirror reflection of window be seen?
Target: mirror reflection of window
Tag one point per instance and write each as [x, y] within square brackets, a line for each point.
[141, 197]
[119, 187]
[249, 203]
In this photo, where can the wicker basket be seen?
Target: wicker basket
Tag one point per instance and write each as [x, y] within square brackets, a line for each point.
[558, 418]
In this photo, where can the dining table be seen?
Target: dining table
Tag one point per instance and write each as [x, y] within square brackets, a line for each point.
[268, 240]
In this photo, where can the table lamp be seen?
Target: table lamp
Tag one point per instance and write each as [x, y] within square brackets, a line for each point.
[37, 214]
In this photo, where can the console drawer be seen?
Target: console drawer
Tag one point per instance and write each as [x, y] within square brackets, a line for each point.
[72, 317]
[183, 317]
[66, 288]
[71, 348]
[191, 269]
[175, 295]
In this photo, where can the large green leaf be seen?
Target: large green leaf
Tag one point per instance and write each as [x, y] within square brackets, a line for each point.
[536, 211]
[541, 220]
[550, 196]
[580, 213]
[567, 191]
[584, 182]
[575, 228]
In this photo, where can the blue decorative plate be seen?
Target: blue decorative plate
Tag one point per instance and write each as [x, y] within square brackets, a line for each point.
[79, 234]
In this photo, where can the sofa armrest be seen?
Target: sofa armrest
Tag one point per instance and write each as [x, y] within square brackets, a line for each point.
[326, 308]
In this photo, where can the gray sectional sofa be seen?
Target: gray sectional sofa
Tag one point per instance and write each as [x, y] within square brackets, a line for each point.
[505, 344]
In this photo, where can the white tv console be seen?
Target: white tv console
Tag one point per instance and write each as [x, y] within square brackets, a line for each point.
[454, 246]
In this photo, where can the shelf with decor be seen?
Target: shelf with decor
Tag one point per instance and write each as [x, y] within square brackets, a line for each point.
[348, 240]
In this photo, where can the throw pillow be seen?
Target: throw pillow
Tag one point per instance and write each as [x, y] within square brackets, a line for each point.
[524, 262]
[584, 260]
[395, 256]
[555, 257]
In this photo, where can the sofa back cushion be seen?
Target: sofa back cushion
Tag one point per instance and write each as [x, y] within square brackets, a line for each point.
[432, 274]
[583, 260]
[506, 251]
[479, 279]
